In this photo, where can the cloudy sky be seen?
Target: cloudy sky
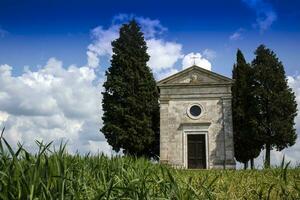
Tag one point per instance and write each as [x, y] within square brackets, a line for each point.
[53, 56]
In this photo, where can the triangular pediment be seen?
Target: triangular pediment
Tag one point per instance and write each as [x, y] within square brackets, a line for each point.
[195, 76]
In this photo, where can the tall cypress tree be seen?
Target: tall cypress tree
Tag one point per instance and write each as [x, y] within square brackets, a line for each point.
[130, 99]
[246, 143]
[275, 102]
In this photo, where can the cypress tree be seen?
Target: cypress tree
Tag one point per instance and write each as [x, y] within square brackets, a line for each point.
[130, 99]
[275, 102]
[246, 144]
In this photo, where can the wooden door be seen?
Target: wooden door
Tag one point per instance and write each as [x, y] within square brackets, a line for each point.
[196, 151]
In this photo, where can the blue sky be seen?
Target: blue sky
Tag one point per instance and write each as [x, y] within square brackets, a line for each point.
[53, 55]
[37, 30]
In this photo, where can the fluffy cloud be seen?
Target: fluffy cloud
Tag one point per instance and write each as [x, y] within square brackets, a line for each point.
[101, 44]
[163, 54]
[58, 103]
[150, 27]
[3, 116]
[265, 14]
[197, 59]
[52, 104]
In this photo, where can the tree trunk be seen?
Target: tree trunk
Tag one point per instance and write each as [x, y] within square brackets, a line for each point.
[245, 165]
[252, 163]
[268, 156]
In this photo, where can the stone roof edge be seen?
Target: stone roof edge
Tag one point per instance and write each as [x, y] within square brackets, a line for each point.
[162, 82]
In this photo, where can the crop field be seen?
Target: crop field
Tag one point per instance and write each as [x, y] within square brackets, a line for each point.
[58, 175]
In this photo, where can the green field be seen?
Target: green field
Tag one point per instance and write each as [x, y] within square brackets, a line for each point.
[58, 175]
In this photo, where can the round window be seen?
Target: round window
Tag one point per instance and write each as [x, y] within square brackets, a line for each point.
[194, 111]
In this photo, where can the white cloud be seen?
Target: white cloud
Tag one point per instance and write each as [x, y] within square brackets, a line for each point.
[265, 22]
[92, 59]
[57, 103]
[101, 44]
[3, 117]
[265, 14]
[163, 55]
[150, 27]
[52, 104]
[197, 59]
[237, 35]
[209, 54]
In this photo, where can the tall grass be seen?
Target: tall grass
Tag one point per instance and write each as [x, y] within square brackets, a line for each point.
[59, 175]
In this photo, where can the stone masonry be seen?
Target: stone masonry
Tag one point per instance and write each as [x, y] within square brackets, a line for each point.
[212, 93]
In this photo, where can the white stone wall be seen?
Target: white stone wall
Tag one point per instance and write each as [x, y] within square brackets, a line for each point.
[215, 119]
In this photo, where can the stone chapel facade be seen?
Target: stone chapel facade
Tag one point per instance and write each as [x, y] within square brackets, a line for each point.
[196, 120]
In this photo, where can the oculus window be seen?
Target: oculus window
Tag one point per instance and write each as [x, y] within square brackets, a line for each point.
[194, 111]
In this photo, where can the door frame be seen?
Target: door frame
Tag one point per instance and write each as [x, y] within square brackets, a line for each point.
[185, 145]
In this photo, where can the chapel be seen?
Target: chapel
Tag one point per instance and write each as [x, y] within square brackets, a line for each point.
[196, 120]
